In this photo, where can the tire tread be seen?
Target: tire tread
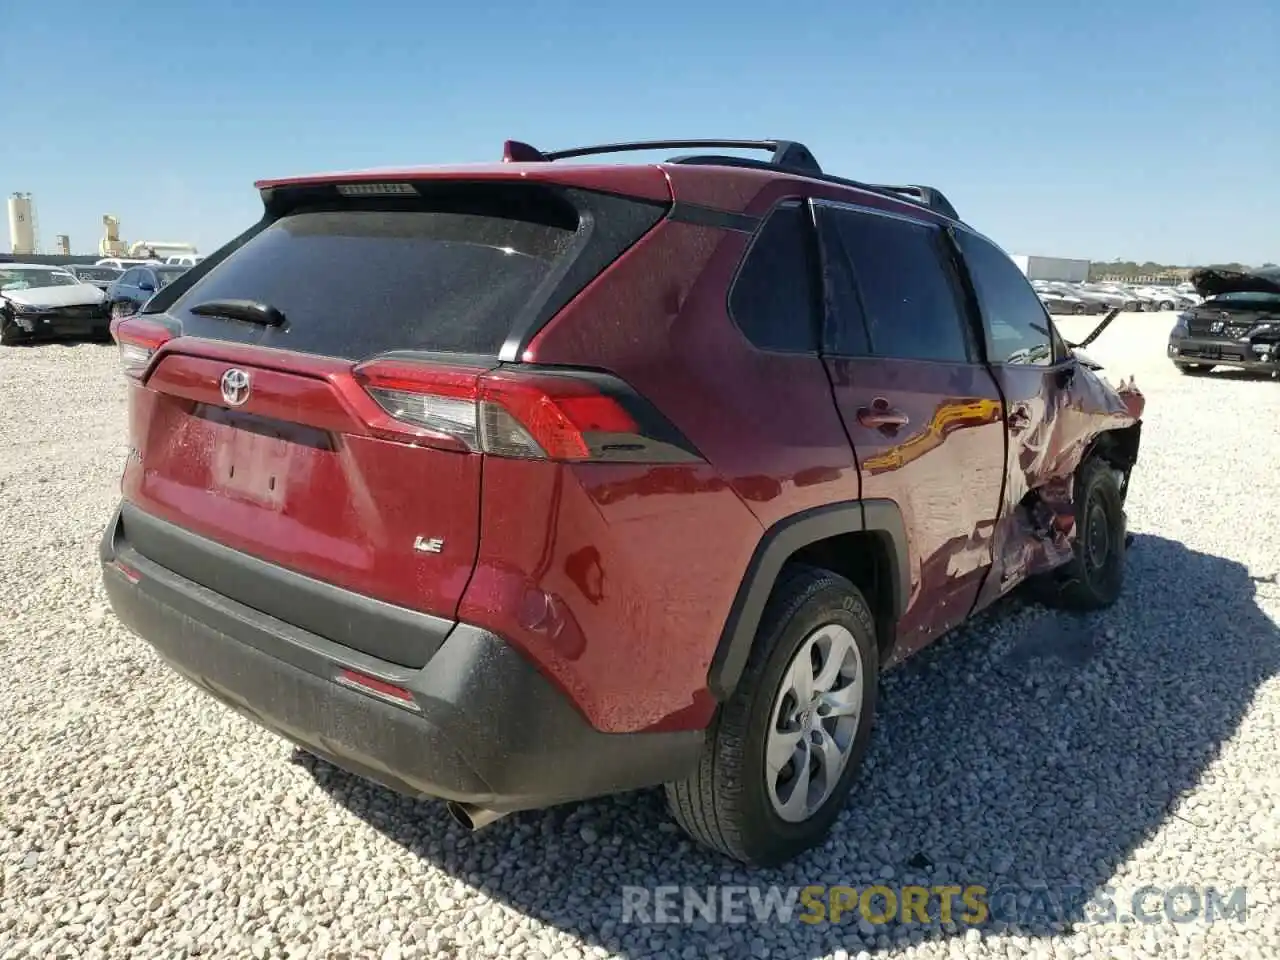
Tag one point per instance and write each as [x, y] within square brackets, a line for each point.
[705, 804]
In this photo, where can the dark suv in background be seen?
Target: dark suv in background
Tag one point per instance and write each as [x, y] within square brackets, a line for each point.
[1237, 325]
[521, 484]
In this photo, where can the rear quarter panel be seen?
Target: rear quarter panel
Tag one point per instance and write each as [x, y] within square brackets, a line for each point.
[670, 544]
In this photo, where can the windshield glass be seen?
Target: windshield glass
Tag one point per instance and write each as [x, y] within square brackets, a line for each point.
[97, 273]
[1266, 298]
[31, 278]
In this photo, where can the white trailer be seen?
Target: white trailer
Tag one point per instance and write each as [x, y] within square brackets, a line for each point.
[1052, 268]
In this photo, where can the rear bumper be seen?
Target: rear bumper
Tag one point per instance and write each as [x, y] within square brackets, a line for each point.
[1241, 354]
[485, 727]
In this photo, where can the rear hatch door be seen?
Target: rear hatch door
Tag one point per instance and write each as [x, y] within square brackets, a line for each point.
[270, 439]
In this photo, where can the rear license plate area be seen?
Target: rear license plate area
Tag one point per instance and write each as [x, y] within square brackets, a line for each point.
[256, 458]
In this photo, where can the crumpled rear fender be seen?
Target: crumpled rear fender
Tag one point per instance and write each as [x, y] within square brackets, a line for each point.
[1070, 413]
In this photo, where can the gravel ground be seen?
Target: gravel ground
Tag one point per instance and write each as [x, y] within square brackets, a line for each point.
[1139, 746]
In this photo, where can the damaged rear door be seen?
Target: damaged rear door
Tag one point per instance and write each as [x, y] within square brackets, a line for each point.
[1055, 408]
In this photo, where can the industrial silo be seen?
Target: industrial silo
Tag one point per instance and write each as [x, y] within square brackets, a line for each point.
[22, 224]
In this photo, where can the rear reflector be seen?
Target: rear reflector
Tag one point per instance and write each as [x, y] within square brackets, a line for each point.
[379, 688]
[507, 413]
[130, 574]
[138, 339]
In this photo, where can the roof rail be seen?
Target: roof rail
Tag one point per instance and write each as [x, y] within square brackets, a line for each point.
[785, 153]
[788, 155]
[931, 197]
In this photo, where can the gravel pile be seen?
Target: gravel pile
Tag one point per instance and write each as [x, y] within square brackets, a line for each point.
[1140, 746]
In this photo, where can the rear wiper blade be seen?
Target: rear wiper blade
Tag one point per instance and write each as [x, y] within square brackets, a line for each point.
[248, 310]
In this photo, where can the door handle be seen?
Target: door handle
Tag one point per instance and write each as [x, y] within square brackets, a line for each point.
[881, 416]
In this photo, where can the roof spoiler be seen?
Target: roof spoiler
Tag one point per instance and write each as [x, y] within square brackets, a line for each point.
[785, 155]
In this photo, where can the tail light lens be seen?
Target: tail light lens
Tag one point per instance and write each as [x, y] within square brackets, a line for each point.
[138, 340]
[565, 416]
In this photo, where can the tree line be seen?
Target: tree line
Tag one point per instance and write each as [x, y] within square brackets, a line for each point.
[1130, 269]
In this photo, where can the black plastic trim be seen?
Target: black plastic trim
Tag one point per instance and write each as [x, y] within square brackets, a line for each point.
[487, 727]
[663, 441]
[777, 545]
[684, 212]
[812, 254]
[389, 632]
[929, 198]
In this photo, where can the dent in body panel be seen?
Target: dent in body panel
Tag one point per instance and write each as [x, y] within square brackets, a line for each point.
[1056, 416]
[614, 580]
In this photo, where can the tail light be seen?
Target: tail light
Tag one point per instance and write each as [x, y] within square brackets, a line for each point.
[138, 339]
[566, 416]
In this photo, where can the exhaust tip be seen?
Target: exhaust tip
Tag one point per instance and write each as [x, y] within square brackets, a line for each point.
[470, 817]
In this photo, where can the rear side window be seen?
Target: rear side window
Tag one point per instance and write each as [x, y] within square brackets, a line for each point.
[1015, 322]
[356, 282]
[906, 294]
[774, 299]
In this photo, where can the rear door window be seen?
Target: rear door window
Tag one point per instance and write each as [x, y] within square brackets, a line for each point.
[906, 294]
[357, 282]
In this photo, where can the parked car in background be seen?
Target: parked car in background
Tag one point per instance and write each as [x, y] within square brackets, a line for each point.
[1158, 298]
[1077, 300]
[1237, 325]
[1117, 296]
[1056, 301]
[39, 301]
[401, 477]
[137, 285]
[1183, 300]
[100, 276]
[122, 263]
[183, 259]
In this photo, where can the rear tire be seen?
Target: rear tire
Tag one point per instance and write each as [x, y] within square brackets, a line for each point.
[765, 812]
[1077, 309]
[1094, 577]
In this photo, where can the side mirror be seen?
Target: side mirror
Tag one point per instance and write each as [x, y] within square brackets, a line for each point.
[146, 286]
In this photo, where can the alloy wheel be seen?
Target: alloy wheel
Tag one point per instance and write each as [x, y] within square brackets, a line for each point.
[814, 722]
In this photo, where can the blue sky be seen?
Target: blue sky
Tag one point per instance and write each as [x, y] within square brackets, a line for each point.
[1053, 130]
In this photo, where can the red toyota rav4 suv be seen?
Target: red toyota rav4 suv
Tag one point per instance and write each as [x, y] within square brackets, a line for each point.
[519, 484]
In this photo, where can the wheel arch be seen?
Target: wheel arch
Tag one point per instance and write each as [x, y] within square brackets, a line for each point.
[804, 535]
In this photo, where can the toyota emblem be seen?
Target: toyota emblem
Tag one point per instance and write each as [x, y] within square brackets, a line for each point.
[235, 387]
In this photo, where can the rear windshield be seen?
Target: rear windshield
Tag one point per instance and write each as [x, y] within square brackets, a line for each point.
[352, 283]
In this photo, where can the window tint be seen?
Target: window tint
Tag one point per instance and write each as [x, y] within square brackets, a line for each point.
[356, 282]
[130, 278]
[1016, 324]
[773, 299]
[908, 299]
